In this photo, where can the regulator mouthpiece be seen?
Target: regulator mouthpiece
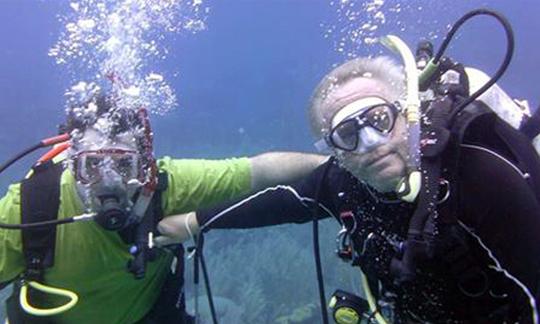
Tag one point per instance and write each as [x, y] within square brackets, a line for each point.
[112, 216]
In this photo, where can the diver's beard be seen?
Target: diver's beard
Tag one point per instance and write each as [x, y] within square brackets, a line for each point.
[352, 168]
[386, 179]
[380, 184]
[344, 161]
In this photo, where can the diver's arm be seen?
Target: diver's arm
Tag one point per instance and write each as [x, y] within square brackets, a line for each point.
[273, 168]
[197, 184]
[272, 206]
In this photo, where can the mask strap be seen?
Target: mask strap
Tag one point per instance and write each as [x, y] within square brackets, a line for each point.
[322, 146]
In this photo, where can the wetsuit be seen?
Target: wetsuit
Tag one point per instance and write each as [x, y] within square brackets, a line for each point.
[499, 219]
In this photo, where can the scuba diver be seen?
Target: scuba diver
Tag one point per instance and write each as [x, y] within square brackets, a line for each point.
[103, 267]
[436, 195]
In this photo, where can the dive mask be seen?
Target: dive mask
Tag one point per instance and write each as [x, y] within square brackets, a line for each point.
[110, 178]
[89, 165]
[361, 125]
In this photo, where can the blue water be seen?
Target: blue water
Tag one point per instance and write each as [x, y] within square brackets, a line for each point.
[244, 83]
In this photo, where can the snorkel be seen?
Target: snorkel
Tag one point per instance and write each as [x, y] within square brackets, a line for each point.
[409, 186]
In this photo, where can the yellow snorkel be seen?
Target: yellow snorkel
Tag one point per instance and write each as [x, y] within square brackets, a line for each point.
[409, 187]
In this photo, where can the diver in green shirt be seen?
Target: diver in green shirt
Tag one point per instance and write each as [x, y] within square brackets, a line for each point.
[107, 270]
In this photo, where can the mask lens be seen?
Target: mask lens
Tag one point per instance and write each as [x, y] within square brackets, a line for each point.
[90, 165]
[88, 168]
[345, 135]
[380, 117]
[127, 166]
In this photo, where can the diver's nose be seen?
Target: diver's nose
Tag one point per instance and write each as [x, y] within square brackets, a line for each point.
[110, 174]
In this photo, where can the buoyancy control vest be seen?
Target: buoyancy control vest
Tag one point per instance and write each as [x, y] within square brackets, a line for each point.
[456, 280]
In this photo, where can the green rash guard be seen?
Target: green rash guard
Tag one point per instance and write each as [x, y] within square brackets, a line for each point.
[91, 261]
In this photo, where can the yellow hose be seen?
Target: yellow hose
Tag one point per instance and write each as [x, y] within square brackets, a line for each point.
[372, 302]
[23, 299]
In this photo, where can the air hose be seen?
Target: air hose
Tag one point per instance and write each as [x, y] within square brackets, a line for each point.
[372, 302]
[199, 260]
[23, 299]
[43, 143]
[61, 145]
[418, 223]
[83, 217]
[316, 247]
[434, 62]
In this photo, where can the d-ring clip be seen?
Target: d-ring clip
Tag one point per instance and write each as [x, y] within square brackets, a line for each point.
[444, 185]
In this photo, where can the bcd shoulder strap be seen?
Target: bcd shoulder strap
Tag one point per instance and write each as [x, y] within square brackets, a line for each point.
[155, 210]
[40, 200]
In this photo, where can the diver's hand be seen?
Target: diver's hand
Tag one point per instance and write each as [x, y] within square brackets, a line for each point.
[177, 229]
[163, 241]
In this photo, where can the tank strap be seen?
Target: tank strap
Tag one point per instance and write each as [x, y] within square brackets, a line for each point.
[40, 200]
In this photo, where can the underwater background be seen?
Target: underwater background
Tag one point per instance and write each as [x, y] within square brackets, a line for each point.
[242, 84]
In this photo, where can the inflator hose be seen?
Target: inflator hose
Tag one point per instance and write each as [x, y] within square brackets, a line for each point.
[504, 65]
[316, 247]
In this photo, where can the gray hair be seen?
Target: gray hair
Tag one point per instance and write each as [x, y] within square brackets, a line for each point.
[381, 69]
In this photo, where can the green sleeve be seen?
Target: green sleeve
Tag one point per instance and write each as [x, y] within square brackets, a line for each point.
[195, 184]
[11, 258]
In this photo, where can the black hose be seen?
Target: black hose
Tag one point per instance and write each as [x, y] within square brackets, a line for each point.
[504, 65]
[20, 156]
[41, 144]
[462, 20]
[37, 224]
[316, 247]
[318, 267]
[199, 251]
[196, 278]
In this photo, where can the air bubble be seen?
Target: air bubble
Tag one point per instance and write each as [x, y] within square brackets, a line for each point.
[112, 44]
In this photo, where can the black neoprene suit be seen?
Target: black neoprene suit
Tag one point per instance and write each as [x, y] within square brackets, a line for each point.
[498, 212]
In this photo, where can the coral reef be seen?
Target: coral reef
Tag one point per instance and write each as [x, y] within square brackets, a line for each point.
[269, 273]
